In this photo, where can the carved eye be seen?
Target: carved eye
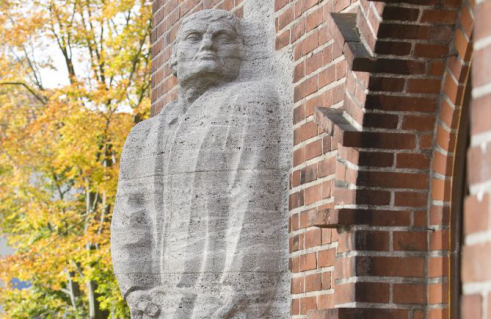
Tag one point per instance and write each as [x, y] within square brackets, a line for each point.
[224, 37]
[193, 37]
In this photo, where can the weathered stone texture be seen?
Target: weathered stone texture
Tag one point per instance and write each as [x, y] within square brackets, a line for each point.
[200, 223]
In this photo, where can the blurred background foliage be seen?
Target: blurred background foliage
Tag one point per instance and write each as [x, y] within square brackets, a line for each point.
[74, 79]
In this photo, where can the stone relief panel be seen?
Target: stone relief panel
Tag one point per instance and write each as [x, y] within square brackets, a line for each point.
[200, 222]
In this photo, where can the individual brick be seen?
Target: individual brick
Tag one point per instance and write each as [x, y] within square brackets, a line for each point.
[471, 306]
[479, 164]
[413, 161]
[308, 262]
[297, 285]
[371, 240]
[477, 214]
[480, 114]
[307, 303]
[409, 294]
[313, 282]
[476, 262]
[411, 199]
[418, 123]
[393, 180]
[312, 238]
[410, 241]
[425, 86]
[439, 16]
[390, 266]
[326, 258]
[400, 14]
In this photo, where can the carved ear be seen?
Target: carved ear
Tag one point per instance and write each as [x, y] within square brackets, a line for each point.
[173, 60]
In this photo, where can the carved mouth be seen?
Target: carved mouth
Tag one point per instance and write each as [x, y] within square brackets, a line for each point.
[207, 56]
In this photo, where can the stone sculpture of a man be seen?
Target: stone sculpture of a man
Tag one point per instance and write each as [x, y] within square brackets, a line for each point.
[198, 228]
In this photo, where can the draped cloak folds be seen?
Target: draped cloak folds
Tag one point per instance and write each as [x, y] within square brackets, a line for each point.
[199, 220]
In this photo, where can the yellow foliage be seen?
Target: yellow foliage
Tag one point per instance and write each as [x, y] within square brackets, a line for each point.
[60, 147]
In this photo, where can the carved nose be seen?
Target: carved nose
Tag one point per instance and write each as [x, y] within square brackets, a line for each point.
[206, 44]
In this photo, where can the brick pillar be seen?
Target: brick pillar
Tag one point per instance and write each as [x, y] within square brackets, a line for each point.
[369, 190]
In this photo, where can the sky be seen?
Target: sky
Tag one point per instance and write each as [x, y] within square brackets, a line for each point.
[4, 249]
[59, 77]
[55, 78]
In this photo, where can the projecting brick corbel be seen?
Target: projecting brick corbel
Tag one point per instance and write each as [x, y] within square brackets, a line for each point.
[333, 121]
[345, 29]
[346, 35]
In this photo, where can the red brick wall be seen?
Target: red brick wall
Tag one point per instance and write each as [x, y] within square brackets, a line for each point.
[379, 127]
[476, 260]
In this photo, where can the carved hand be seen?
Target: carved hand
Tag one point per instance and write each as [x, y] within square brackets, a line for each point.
[141, 305]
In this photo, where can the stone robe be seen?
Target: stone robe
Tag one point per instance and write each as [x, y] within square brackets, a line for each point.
[199, 219]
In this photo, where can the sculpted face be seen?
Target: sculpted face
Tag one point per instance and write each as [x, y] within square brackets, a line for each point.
[209, 48]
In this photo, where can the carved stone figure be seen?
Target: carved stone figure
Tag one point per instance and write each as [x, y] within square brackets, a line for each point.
[199, 225]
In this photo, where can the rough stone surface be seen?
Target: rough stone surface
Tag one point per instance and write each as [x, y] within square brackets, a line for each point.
[200, 223]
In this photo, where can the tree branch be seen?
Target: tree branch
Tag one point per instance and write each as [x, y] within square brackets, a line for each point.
[39, 98]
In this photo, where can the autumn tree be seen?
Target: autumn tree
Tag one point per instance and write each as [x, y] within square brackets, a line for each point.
[59, 147]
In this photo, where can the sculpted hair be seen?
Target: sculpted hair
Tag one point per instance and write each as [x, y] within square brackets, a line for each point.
[210, 15]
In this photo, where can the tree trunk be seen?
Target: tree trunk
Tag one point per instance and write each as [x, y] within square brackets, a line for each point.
[74, 290]
[94, 307]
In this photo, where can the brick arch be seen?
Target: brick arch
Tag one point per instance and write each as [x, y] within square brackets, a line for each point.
[448, 183]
